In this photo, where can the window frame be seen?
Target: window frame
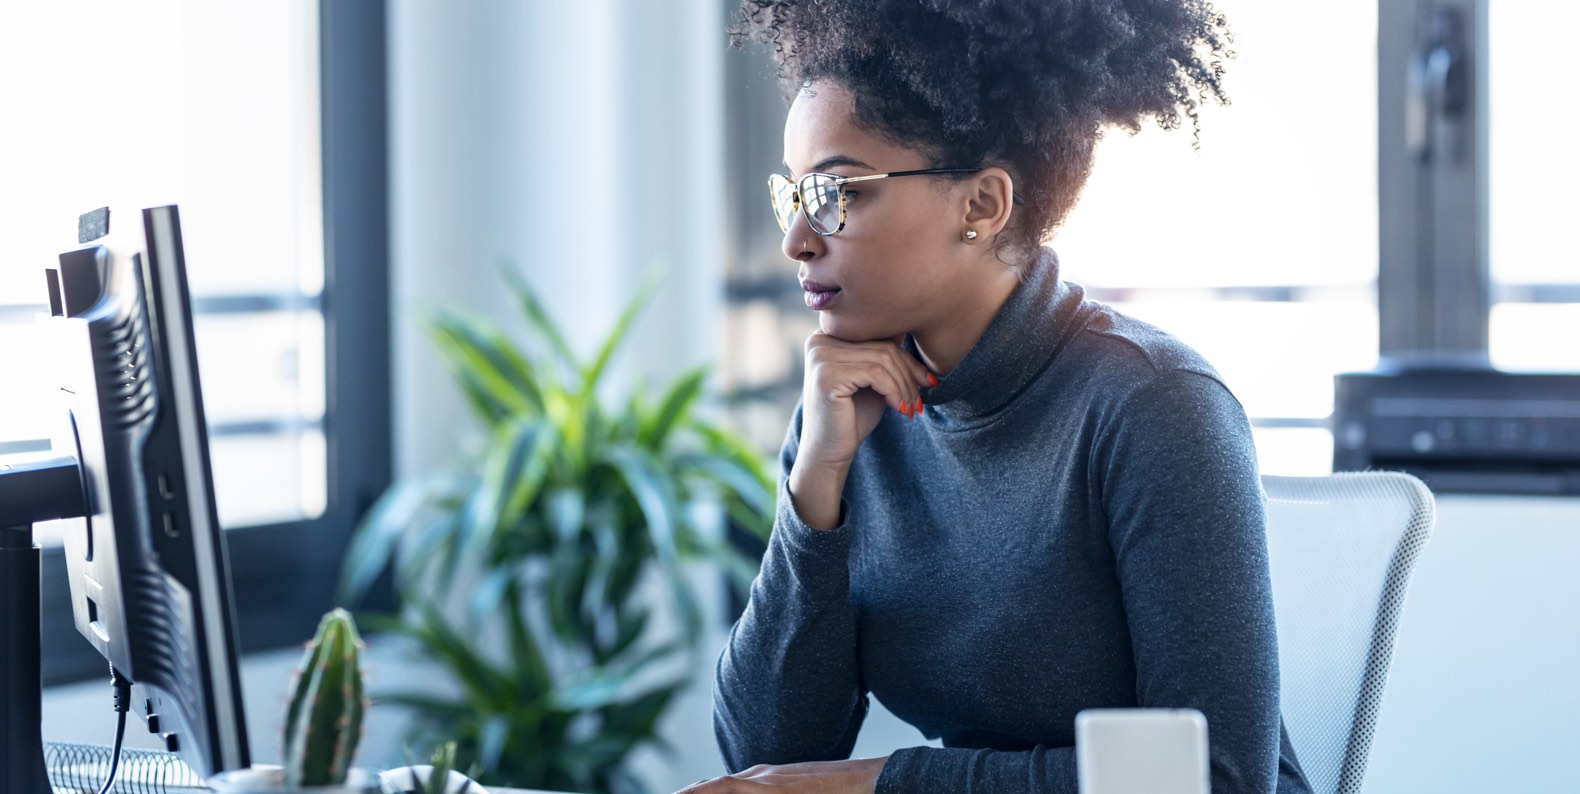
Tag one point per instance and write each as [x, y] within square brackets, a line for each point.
[284, 575]
[1434, 284]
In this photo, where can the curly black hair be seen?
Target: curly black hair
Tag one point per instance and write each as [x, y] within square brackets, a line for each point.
[1028, 85]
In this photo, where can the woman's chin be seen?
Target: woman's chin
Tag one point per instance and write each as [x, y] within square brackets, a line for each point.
[843, 329]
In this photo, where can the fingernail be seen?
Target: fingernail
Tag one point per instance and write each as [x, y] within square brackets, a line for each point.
[918, 408]
[932, 380]
[905, 410]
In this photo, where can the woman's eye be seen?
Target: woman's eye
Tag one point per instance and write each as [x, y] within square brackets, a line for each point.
[850, 194]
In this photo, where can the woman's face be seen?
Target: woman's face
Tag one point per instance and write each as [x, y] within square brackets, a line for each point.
[899, 265]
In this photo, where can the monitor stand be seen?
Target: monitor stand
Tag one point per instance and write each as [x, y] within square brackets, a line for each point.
[29, 493]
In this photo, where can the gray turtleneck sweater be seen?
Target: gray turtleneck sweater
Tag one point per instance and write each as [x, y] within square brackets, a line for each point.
[1076, 521]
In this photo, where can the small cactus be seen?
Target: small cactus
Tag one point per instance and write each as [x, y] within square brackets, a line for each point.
[323, 721]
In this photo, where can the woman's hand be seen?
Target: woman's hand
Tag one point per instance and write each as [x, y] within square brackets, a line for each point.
[846, 388]
[857, 776]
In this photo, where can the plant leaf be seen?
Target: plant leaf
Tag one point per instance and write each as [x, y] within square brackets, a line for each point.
[728, 445]
[601, 687]
[654, 495]
[492, 740]
[741, 481]
[488, 592]
[493, 371]
[532, 672]
[538, 319]
[594, 371]
[484, 684]
[759, 525]
[567, 507]
[637, 719]
[627, 629]
[436, 706]
[530, 462]
[435, 537]
[567, 579]
[675, 405]
[377, 537]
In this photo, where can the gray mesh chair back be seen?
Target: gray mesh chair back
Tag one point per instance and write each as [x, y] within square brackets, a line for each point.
[1340, 549]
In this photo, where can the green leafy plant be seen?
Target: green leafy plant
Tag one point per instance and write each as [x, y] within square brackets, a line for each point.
[551, 541]
[323, 719]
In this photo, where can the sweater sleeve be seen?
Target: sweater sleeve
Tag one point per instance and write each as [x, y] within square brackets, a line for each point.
[1187, 524]
[787, 688]
[1176, 477]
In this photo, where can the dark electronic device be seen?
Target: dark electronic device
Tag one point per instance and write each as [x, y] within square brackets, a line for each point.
[1464, 430]
[145, 555]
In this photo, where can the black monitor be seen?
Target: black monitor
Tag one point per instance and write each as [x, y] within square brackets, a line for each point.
[149, 575]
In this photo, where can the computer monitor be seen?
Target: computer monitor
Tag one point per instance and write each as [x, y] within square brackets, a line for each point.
[148, 570]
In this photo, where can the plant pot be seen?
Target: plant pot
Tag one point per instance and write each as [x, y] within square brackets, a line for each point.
[267, 779]
[404, 779]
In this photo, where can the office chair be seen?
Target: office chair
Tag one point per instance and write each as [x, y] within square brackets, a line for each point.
[1340, 550]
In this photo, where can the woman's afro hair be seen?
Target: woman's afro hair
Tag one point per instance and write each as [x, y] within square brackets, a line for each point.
[1025, 84]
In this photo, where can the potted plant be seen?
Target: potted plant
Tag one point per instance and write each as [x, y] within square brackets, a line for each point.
[528, 571]
[439, 777]
[323, 721]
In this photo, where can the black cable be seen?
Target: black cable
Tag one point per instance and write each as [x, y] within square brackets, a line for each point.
[123, 702]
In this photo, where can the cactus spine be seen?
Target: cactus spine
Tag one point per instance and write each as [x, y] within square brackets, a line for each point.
[323, 722]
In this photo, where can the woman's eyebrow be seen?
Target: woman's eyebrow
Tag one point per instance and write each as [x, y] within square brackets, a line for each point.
[835, 161]
[838, 160]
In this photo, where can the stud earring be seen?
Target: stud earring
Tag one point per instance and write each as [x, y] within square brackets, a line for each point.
[971, 234]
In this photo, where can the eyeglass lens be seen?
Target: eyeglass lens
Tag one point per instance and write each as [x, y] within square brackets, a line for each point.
[819, 195]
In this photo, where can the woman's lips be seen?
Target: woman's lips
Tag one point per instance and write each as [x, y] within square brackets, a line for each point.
[818, 296]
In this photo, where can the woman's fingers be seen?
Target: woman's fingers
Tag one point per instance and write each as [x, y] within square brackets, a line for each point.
[846, 367]
[908, 365]
[843, 379]
[845, 390]
[729, 784]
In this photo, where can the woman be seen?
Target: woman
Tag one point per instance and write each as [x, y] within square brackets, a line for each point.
[1001, 503]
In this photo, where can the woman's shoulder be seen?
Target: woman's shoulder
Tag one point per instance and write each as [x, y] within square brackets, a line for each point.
[1118, 346]
[1141, 379]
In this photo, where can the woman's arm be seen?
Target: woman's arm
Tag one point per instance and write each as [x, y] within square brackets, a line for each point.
[1187, 523]
[786, 687]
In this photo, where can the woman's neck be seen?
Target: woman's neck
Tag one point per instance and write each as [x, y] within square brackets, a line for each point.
[943, 345]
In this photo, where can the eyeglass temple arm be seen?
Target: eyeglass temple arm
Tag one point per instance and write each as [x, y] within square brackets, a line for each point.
[845, 180]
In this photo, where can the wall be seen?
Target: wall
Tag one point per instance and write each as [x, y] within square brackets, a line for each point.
[578, 142]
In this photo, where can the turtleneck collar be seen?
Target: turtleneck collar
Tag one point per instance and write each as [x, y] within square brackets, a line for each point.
[1024, 335]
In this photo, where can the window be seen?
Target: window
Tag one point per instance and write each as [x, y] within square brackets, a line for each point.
[1259, 249]
[1532, 176]
[134, 131]
[265, 123]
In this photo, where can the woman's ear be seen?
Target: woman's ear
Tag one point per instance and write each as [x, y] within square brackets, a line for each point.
[989, 197]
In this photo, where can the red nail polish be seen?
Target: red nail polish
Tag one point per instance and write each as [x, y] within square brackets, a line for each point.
[905, 410]
[932, 380]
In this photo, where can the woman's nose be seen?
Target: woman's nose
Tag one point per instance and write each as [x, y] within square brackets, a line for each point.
[801, 243]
